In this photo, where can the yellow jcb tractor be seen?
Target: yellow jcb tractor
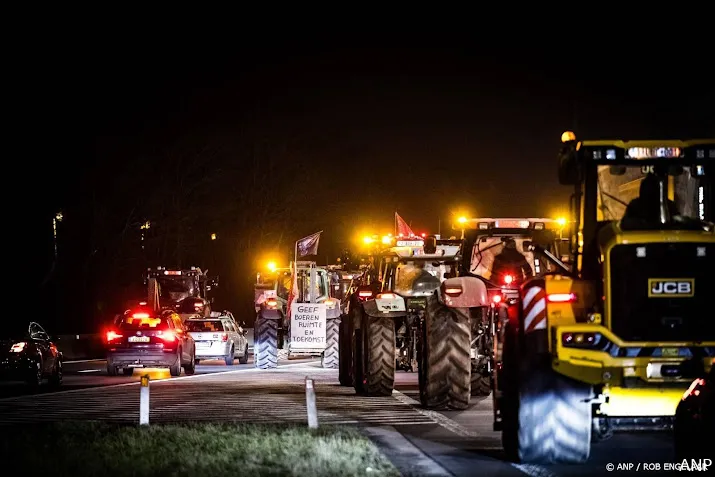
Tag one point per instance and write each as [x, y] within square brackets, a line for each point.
[613, 345]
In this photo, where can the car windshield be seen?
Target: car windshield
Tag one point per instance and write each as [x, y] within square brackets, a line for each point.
[143, 323]
[204, 326]
[618, 185]
[14, 329]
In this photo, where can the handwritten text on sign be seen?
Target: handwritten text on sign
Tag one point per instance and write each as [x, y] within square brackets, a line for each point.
[307, 326]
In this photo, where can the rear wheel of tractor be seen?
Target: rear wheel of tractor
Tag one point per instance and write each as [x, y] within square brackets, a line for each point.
[378, 344]
[345, 349]
[175, 370]
[265, 346]
[229, 357]
[244, 357]
[128, 371]
[331, 355]
[445, 362]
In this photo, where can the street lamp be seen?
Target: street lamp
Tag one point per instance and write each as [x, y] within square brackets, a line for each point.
[55, 220]
[144, 227]
[213, 236]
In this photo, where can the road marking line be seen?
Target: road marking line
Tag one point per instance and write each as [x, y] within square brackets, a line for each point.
[89, 371]
[407, 457]
[83, 361]
[442, 420]
[178, 378]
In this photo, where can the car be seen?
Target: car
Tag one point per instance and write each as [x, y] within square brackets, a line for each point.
[28, 354]
[219, 338]
[150, 340]
[695, 419]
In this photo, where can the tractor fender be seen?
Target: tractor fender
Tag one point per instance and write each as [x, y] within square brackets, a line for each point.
[473, 293]
[385, 308]
[332, 313]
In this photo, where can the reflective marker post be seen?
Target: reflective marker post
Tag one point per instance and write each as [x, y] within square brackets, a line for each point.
[310, 404]
[144, 401]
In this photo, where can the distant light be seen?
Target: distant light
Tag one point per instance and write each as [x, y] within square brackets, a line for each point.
[462, 220]
[59, 216]
[367, 240]
[213, 236]
[146, 225]
[424, 234]
[568, 136]
[387, 240]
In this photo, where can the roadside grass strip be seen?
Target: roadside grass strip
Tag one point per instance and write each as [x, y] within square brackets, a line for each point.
[92, 448]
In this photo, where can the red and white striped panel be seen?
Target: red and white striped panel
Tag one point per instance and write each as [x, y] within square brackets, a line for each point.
[534, 305]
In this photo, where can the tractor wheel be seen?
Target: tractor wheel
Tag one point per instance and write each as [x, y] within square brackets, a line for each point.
[378, 356]
[345, 349]
[546, 416]
[265, 346]
[445, 362]
[331, 355]
[481, 384]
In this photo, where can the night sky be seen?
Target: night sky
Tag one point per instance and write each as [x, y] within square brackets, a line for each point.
[426, 132]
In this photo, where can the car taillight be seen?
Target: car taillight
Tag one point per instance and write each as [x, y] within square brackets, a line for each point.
[496, 298]
[508, 279]
[365, 294]
[561, 297]
[112, 336]
[18, 347]
[386, 296]
[224, 337]
[140, 315]
[168, 336]
[453, 291]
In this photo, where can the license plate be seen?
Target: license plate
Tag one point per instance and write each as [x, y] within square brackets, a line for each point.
[203, 344]
[139, 339]
[670, 352]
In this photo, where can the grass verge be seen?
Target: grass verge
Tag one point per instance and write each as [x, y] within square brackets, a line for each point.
[80, 449]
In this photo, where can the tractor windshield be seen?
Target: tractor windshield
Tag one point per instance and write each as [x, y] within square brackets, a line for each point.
[491, 250]
[619, 185]
[176, 288]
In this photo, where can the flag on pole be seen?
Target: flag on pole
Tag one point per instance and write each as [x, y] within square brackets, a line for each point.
[293, 292]
[308, 245]
[402, 228]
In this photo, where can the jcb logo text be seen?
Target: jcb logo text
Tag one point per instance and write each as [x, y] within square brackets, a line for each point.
[671, 288]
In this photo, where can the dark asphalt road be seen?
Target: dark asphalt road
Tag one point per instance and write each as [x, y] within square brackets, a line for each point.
[458, 443]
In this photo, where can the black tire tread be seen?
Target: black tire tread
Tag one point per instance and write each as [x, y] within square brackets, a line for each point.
[379, 379]
[445, 377]
[345, 351]
[265, 346]
[331, 356]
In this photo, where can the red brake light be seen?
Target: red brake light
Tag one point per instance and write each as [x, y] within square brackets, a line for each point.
[224, 337]
[167, 335]
[496, 298]
[453, 291]
[111, 336]
[140, 315]
[508, 279]
[561, 297]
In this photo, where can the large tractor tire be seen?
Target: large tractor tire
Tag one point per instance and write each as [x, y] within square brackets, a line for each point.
[331, 355]
[265, 343]
[546, 416]
[445, 363]
[345, 349]
[377, 369]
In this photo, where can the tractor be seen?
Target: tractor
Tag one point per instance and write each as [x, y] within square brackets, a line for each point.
[613, 344]
[184, 291]
[303, 322]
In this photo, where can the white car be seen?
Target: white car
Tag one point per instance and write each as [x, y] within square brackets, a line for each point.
[219, 338]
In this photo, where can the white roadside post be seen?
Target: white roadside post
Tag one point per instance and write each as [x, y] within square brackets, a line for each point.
[310, 404]
[144, 401]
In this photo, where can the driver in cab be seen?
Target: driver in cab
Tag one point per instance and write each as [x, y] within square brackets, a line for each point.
[510, 262]
[644, 210]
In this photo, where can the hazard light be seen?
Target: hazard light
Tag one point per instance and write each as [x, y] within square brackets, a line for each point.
[561, 297]
[508, 279]
[111, 336]
[568, 136]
